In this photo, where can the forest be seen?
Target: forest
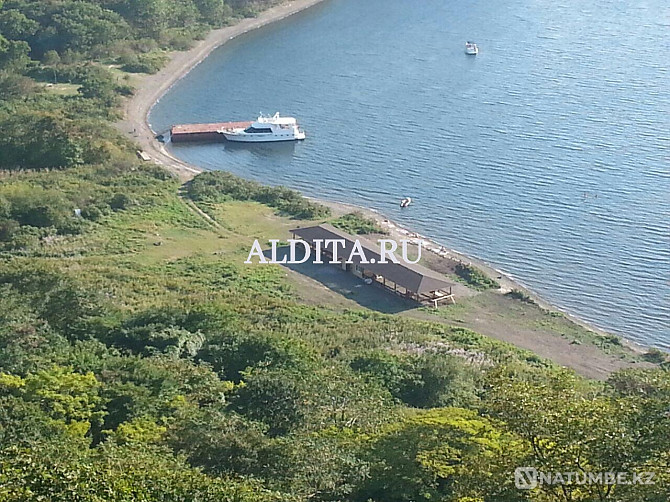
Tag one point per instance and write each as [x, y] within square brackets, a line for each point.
[140, 360]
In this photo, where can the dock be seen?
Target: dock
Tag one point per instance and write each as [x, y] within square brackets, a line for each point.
[203, 132]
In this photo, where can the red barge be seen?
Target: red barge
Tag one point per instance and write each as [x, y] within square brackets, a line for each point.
[203, 132]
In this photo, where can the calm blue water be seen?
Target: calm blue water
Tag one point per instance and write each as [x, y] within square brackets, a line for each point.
[546, 155]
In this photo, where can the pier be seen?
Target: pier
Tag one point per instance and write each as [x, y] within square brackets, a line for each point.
[203, 132]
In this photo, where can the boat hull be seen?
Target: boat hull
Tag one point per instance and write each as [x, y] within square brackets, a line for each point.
[260, 138]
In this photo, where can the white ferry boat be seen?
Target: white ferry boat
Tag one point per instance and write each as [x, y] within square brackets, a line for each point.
[265, 129]
[471, 49]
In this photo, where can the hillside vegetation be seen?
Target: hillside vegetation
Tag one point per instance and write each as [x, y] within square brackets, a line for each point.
[141, 360]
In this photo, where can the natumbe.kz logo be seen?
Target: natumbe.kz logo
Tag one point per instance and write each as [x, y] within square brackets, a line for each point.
[528, 478]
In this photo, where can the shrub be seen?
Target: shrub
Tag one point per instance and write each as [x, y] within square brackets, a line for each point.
[120, 201]
[8, 229]
[357, 223]
[50, 58]
[517, 294]
[144, 63]
[612, 339]
[655, 356]
[38, 140]
[276, 398]
[423, 381]
[37, 207]
[475, 277]
[221, 186]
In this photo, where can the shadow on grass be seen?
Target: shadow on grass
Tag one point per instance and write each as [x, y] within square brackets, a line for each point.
[371, 296]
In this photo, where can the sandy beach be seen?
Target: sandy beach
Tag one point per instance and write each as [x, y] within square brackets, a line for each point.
[587, 360]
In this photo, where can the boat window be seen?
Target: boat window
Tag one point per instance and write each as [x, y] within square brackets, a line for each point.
[252, 130]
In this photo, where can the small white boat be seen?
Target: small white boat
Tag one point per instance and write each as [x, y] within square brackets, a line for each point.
[266, 129]
[471, 49]
[405, 202]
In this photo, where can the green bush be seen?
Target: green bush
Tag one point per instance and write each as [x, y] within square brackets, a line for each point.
[475, 277]
[120, 201]
[517, 294]
[144, 63]
[357, 223]
[424, 381]
[612, 339]
[37, 207]
[278, 399]
[38, 140]
[221, 186]
[656, 356]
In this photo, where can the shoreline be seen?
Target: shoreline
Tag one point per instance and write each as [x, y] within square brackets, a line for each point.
[150, 89]
[506, 281]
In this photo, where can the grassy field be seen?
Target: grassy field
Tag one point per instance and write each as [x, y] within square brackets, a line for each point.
[168, 250]
[551, 334]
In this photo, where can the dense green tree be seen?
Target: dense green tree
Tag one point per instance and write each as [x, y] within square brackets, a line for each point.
[51, 58]
[327, 466]
[126, 401]
[24, 422]
[13, 86]
[135, 375]
[37, 207]
[66, 396]
[573, 426]
[276, 398]
[74, 25]
[27, 344]
[16, 26]
[425, 381]
[443, 454]
[5, 208]
[13, 54]
[124, 473]
[231, 354]
[37, 140]
[214, 12]
[150, 16]
[54, 297]
[96, 83]
[219, 442]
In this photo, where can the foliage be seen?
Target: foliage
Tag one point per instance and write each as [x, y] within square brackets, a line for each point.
[143, 63]
[517, 294]
[475, 277]
[572, 426]
[657, 356]
[65, 471]
[423, 381]
[219, 186]
[443, 454]
[275, 398]
[65, 396]
[13, 54]
[133, 372]
[219, 442]
[357, 223]
[37, 140]
[13, 86]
